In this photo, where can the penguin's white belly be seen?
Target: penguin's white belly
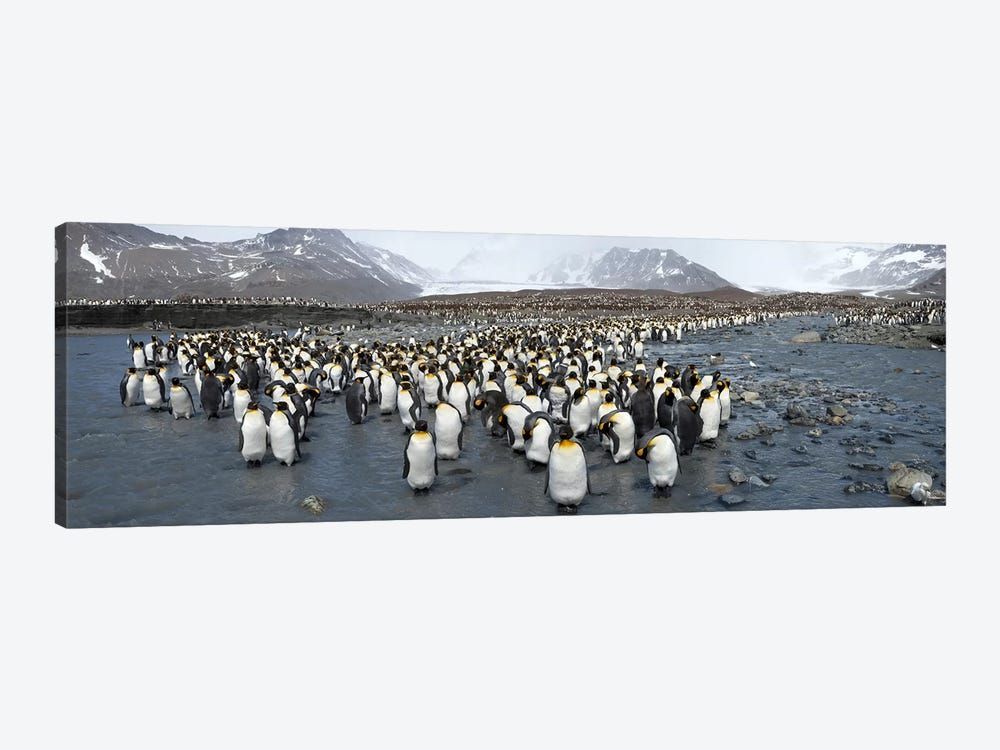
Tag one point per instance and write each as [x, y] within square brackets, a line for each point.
[387, 396]
[447, 428]
[151, 393]
[431, 391]
[405, 401]
[567, 475]
[138, 358]
[726, 402]
[515, 419]
[181, 404]
[710, 415]
[624, 428]
[240, 401]
[663, 464]
[133, 389]
[458, 396]
[579, 417]
[420, 453]
[536, 448]
[282, 440]
[255, 438]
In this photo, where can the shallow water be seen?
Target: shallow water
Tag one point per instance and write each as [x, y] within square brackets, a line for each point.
[132, 466]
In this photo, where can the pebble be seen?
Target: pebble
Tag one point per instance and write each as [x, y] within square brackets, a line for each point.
[736, 476]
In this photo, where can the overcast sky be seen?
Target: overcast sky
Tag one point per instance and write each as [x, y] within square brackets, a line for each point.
[513, 257]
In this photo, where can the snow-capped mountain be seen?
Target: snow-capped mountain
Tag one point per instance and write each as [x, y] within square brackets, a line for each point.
[106, 261]
[622, 268]
[897, 266]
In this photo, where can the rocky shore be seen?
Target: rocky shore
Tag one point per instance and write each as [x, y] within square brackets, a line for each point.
[899, 336]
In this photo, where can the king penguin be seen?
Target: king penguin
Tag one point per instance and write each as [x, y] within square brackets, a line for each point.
[448, 431]
[253, 435]
[420, 458]
[130, 388]
[659, 450]
[567, 481]
[181, 403]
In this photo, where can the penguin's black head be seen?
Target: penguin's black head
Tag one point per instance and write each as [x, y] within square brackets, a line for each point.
[720, 386]
[131, 371]
[151, 371]
[565, 432]
[609, 398]
[281, 406]
[175, 381]
[253, 406]
[421, 426]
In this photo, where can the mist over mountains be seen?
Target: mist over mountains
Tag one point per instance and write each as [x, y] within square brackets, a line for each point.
[109, 261]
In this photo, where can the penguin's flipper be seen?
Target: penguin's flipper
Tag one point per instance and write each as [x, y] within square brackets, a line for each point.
[193, 410]
[615, 442]
[163, 388]
[460, 433]
[545, 489]
[241, 434]
[121, 387]
[406, 457]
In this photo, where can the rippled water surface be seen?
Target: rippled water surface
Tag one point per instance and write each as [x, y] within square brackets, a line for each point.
[132, 466]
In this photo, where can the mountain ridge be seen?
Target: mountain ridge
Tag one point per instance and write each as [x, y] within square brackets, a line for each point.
[108, 261]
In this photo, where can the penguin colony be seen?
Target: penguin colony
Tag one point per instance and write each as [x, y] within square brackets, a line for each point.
[546, 389]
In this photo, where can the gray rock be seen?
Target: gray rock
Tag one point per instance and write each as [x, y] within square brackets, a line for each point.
[795, 410]
[806, 337]
[901, 480]
[750, 396]
[314, 504]
[836, 410]
[756, 481]
[736, 476]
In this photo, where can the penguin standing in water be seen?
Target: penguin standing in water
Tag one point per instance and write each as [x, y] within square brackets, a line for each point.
[577, 413]
[357, 401]
[511, 418]
[725, 402]
[711, 414]
[253, 434]
[211, 395]
[643, 410]
[154, 393]
[138, 356]
[388, 393]
[251, 373]
[619, 428]
[420, 458]
[567, 481]
[689, 426]
[283, 434]
[688, 379]
[537, 431]
[408, 403]
[448, 431]
[241, 399]
[181, 403]
[607, 407]
[659, 450]
[666, 410]
[460, 397]
[131, 387]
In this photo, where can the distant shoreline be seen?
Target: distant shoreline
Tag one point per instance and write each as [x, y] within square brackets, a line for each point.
[92, 319]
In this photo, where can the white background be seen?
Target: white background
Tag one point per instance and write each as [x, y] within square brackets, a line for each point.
[841, 121]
